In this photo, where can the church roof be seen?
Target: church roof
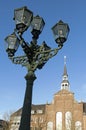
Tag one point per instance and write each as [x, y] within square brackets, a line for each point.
[34, 107]
[65, 70]
[38, 107]
[65, 81]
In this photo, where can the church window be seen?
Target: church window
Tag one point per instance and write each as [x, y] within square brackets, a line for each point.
[59, 121]
[32, 112]
[78, 125]
[68, 120]
[40, 111]
[65, 84]
[50, 125]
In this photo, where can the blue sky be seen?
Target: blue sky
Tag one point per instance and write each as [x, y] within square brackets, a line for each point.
[12, 82]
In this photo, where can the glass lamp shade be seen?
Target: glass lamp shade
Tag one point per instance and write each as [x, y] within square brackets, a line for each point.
[23, 18]
[13, 42]
[60, 31]
[37, 23]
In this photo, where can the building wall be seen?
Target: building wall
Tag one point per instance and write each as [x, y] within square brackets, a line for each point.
[64, 113]
[84, 121]
[3, 125]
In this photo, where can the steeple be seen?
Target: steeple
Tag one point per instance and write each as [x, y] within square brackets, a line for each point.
[65, 83]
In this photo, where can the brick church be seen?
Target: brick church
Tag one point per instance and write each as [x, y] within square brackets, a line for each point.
[64, 113]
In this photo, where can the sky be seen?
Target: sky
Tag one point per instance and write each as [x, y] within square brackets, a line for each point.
[48, 82]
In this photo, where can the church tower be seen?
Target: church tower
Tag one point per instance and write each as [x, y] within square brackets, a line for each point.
[65, 85]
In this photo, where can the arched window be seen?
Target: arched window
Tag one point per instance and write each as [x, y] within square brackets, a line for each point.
[50, 125]
[59, 121]
[78, 125]
[68, 120]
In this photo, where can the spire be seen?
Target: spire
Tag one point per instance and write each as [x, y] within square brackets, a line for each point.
[65, 83]
[65, 69]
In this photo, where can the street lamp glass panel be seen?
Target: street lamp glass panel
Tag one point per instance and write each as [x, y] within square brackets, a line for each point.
[37, 23]
[13, 42]
[22, 17]
[60, 31]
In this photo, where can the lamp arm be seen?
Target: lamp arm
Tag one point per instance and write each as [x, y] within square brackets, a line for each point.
[39, 59]
[35, 56]
[43, 56]
[50, 52]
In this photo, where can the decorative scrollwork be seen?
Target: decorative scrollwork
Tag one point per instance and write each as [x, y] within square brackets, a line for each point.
[42, 55]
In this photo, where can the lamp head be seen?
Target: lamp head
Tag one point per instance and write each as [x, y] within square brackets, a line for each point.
[37, 25]
[60, 31]
[23, 18]
[12, 44]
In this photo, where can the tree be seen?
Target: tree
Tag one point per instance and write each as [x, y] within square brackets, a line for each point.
[38, 122]
[6, 117]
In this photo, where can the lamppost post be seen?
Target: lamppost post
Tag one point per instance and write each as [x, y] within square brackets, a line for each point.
[36, 56]
[26, 110]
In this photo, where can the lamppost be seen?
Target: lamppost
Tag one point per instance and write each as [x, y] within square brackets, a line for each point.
[36, 55]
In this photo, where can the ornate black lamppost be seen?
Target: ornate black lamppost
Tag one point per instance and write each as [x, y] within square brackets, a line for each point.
[35, 55]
